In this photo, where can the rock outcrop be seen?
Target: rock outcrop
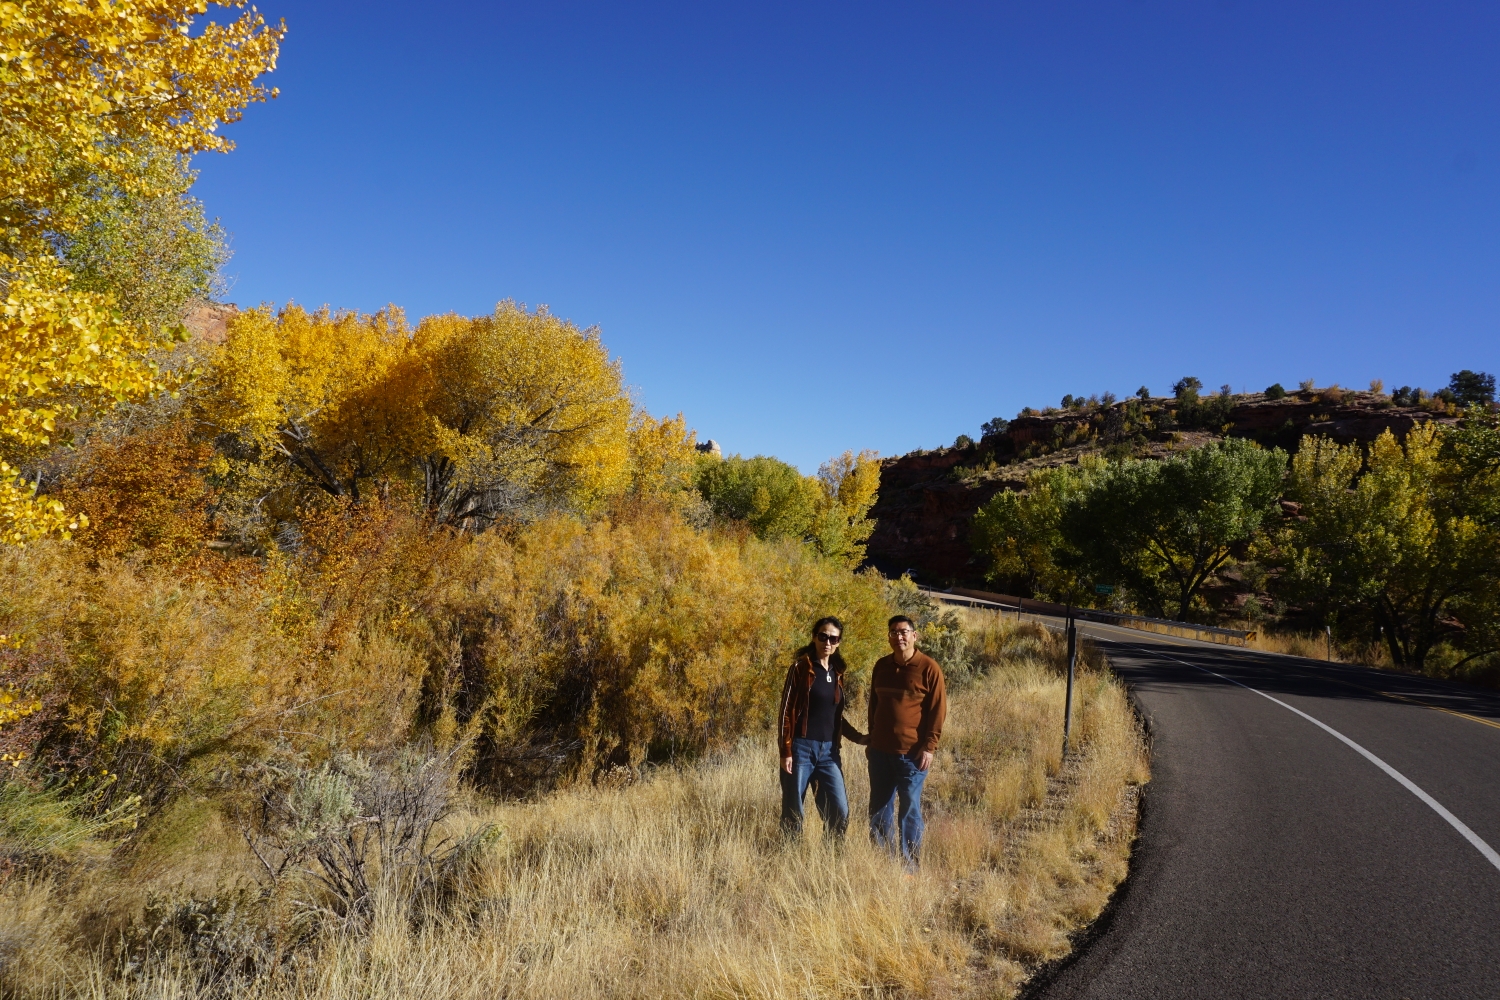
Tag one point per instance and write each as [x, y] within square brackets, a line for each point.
[928, 498]
[208, 322]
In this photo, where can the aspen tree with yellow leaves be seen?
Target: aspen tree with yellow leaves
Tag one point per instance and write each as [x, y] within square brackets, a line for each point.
[94, 98]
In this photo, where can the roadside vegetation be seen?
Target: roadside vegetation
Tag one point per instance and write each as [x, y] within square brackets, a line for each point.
[653, 881]
[1386, 552]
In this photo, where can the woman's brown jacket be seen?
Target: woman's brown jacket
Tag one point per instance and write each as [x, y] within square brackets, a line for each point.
[794, 694]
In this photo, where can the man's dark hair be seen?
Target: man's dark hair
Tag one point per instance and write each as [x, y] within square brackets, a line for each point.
[898, 619]
[830, 620]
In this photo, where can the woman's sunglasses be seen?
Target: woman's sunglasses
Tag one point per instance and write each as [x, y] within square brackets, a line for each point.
[832, 640]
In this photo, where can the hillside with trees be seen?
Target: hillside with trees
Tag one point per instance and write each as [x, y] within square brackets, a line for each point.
[1366, 514]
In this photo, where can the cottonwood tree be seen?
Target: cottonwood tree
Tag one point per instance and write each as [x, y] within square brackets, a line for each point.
[524, 409]
[1399, 542]
[93, 99]
[850, 485]
[664, 460]
[1163, 528]
[482, 418]
[769, 495]
[1021, 533]
[775, 500]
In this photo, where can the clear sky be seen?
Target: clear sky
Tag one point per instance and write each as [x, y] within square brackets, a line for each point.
[812, 227]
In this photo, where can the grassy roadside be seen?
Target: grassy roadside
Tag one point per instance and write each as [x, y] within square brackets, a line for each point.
[674, 884]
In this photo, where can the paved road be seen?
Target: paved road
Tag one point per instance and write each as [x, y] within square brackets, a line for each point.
[1276, 860]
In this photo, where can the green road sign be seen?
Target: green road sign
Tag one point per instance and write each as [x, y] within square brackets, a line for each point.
[1104, 588]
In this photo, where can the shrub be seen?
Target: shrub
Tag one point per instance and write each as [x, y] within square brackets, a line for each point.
[562, 648]
[963, 441]
[354, 826]
[144, 490]
[1275, 391]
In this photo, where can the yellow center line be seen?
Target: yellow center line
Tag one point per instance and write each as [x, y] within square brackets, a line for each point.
[1436, 708]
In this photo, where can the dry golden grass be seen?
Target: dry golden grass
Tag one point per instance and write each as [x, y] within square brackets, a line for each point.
[677, 883]
[1315, 646]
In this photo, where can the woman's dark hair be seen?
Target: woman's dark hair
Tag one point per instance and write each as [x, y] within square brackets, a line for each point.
[830, 620]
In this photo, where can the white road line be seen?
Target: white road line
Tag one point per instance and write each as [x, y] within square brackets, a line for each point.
[1489, 852]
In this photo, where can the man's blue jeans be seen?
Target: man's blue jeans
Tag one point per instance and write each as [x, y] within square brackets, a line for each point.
[812, 760]
[896, 796]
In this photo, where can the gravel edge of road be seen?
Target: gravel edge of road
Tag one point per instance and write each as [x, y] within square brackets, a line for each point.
[1084, 940]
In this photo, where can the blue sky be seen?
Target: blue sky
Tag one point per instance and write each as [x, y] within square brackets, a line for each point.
[812, 227]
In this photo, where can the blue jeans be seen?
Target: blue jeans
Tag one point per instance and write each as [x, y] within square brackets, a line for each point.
[812, 760]
[896, 792]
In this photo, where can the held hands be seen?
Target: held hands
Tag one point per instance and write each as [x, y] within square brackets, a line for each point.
[786, 764]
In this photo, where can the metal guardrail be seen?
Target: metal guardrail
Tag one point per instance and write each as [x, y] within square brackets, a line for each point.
[1233, 633]
[1087, 614]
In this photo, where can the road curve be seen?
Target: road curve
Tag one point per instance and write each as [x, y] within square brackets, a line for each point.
[1277, 859]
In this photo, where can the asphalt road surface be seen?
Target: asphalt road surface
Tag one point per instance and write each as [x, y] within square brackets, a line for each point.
[1278, 860]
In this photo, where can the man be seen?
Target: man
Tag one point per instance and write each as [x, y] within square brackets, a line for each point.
[907, 705]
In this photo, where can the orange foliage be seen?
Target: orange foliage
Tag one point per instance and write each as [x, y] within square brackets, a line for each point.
[145, 491]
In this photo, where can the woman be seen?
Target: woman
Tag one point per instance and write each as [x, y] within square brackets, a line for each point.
[812, 725]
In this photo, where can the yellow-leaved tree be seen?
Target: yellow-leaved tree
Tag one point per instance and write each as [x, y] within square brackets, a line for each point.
[664, 461]
[93, 95]
[481, 418]
[1391, 542]
[850, 484]
[524, 410]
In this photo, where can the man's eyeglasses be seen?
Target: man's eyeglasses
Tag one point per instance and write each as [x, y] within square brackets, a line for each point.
[829, 638]
[899, 632]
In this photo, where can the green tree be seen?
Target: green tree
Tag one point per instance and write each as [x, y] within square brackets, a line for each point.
[1163, 528]
[771, 496]
[156, 254]
[1471, 464]
[1187, 388]
[1021, 533]
[1472, 387]
[1400, 542]
[830, 510]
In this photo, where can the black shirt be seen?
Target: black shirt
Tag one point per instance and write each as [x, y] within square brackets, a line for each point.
[822, 710]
